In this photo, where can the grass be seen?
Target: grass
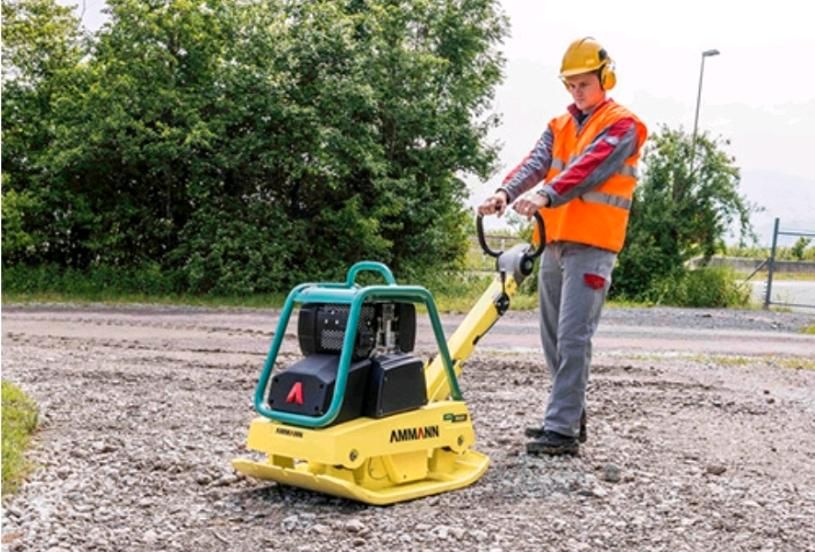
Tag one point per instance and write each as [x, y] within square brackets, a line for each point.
[796, 363]
[459, 300]
[627, 304]
[445, 301]
[261, 300]
[793, 362]
[724, 360]
[453, 291]
[810, 330]
[459, 297]
[19, 422]
[462, 303]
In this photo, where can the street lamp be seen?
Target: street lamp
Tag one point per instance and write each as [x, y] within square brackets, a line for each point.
[706, 53]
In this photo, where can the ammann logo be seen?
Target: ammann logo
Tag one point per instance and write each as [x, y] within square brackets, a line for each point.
[289, 432]
[414, 433]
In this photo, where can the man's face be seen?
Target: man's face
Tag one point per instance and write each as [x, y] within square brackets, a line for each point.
[585, 90]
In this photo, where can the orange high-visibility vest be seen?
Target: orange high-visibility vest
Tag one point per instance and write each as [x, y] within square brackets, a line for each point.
[599, 217]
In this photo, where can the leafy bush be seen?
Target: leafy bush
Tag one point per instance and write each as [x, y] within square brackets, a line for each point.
[798, 250]
[705, 287]
[17, 242]
[228, 252]
[679, 213]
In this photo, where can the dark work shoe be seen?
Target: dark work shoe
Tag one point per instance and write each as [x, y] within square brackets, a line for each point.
[534, 432]
[537, 432]
[583, 435]
[553, 444]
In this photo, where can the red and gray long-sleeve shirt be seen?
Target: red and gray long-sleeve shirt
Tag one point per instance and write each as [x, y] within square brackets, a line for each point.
[596, 164]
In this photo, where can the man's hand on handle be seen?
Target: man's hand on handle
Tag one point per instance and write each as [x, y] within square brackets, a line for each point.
[525, 205]
[496, 203]
[529, 203]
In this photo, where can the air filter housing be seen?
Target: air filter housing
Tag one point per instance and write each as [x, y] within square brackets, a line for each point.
[388, 326]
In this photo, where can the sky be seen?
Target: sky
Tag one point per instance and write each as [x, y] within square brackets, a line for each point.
[759, 92]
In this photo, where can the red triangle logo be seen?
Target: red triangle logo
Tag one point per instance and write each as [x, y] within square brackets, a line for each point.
[296, 393]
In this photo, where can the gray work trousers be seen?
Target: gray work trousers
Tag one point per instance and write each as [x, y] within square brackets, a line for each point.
[572, 286]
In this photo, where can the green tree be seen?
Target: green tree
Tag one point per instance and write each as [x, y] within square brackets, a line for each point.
[679, 213]
[798, 249]
[42, 47]
[250, 145]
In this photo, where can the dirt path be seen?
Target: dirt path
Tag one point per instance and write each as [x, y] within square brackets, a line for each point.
[708, 416]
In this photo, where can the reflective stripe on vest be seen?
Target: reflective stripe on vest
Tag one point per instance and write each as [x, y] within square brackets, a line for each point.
[607, 199]
[627, 170]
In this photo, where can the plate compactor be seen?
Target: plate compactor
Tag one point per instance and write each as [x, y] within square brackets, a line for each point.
[360, 416]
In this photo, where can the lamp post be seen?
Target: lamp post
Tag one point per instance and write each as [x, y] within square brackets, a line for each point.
[706, 53]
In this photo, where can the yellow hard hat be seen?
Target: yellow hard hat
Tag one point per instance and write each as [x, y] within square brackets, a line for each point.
[586, 55]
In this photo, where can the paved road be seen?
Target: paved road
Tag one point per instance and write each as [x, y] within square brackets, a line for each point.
[622, 330]
[669, 330]
[786, 291]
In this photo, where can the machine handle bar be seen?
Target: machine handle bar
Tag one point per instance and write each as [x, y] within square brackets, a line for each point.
[479, 223]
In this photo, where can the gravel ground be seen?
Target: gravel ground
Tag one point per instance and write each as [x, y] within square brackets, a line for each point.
[143, 408]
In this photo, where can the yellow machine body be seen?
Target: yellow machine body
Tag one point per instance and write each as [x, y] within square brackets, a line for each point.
[387, 460]
[401, 457]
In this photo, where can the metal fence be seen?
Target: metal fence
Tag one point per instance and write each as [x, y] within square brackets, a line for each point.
[770, 263]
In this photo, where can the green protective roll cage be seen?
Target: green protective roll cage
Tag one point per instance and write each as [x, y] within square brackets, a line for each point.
[349, 293]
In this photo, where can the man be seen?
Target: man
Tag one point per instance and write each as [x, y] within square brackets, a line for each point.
[587, 160]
